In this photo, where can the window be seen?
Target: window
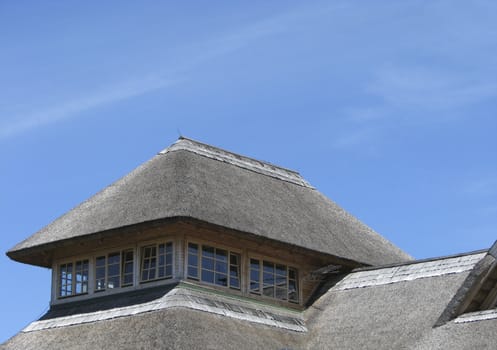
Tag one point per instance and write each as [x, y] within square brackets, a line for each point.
[273, 280]
[114, 270]
[213, 265]
[73, 278]
[157, 262]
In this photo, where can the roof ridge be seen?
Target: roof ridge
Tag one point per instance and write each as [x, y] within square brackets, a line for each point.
[252, 164]
[419, 261]
[408, 272]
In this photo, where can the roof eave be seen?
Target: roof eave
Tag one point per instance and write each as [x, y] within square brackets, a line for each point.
[42, 255]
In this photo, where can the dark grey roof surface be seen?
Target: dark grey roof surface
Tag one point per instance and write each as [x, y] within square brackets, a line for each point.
[194, 180]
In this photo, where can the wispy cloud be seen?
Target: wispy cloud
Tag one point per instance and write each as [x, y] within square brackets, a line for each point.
[482, 187]
[412, 87]
[71, 108]
[189, 56]
[411, 96]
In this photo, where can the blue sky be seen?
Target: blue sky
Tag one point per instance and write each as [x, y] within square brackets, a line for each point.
[387, 107]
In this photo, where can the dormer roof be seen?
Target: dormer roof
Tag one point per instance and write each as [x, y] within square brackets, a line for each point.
[190, 179]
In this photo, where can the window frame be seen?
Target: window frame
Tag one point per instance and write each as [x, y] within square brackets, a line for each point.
[142, 257]
[201, 259]
[260, 290]
[106, 267]
[73, 280]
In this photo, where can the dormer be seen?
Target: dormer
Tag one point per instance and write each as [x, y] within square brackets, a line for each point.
[208, 218]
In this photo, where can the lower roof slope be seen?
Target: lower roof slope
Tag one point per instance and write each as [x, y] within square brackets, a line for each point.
[393, 307]
[177, 317]
[194, 180]
[398, 308]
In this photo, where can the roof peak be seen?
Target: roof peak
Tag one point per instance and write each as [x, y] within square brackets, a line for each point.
[252, 164]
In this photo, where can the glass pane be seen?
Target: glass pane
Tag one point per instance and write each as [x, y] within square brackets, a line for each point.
[221, 255]
[207, 276]
[292, 274]
[128, 256]
[268, 278]
[268, 291]
[100, 261]
[234, 271]
[128, 279]
[292, 290]
[192, 272]
[221, 279]
[254, 275]
[234, 259]
[169, 259]
[268, 267]
[207, 263]
[152, 263]
[113, 282]
[161, 272]
[192, 248]
[207, 251]
[254, 287]
[254, 264]
[169, 271]
[192, 260]
[221, 266]
[114, 258]
[161, 260]
[234, 283]
[113, 270]
[281, 270]
[169, 248]
[128, 268]
[161, 249]
[147, 252]
[281, 281]
[281, 293]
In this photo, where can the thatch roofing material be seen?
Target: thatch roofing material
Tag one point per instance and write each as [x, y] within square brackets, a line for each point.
[183, 297]
[400, 314]
[193, 180]
[397, 315]
[479, 335]
[477, 316]
[172, 328]
[409, 272]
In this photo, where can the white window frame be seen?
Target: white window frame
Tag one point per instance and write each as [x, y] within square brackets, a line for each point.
[105, 279]
[230, 280]
[73, 280]
[157, 266]
[260, 279]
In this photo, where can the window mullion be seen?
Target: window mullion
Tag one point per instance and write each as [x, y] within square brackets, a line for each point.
[73, 279]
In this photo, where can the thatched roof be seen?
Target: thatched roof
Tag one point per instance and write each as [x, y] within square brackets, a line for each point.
[164, 318]
[392, 307]
[398, 308]
[194, 180]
